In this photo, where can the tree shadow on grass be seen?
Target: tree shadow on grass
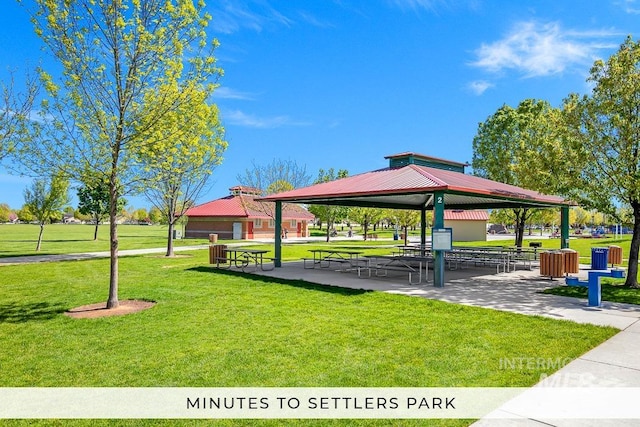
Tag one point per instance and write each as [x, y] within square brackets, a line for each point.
[14, 312]
[295, 283]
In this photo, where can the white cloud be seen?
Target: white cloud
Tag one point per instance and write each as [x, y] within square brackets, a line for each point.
[630, 6]
[239, 118]
[535, 49]
[228, 93]
[479, 86]
[232, 15]
[419, 4]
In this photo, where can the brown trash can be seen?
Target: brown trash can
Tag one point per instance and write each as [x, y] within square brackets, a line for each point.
[552, 264]
[217, 254]
[571, 261]
[213, 238]
[615, 255]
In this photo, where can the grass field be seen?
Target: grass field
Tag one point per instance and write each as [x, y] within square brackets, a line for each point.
[212, 328]
[21, 239]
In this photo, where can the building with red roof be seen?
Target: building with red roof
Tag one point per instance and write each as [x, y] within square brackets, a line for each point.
[467, 226]
[240, 216]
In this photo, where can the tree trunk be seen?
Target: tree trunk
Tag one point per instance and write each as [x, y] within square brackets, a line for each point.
[170, 239]
[113, 302]
[95, 231]
[521, 218]
[632, 270]
[40, 236]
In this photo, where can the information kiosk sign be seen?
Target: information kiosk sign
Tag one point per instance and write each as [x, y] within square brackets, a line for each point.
[441, 239]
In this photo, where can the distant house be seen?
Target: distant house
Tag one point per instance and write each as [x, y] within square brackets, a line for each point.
[240, 217]
[467, 226]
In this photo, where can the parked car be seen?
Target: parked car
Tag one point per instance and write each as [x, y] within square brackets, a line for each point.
[497, 229]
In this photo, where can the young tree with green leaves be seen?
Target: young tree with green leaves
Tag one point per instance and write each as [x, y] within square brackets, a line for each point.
[176, 176]
[5, 212]
[126, 65]
[46, 200]
[405, 219]
[604, 128]
[329, 213]
[15, 109]
[366, 217]
[520, 146]
[93, 200]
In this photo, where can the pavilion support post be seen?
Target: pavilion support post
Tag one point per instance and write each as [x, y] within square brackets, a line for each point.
[423, 226]
[438, 222]
[564, 227]
[278, 237]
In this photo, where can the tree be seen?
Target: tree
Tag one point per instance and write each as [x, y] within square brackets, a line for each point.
[175, 176]
[126, 65]
[5, 212]
[155, 215]
[604, 127]
[328, 213]
[405, 219]
[520, 147]
[25, 215]
[275, 177]
[140, 215]
[366, 217]
[93, 200]
[15, 109]
[44, 202]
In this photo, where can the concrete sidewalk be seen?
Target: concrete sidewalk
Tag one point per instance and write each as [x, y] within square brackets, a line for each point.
[91, 255]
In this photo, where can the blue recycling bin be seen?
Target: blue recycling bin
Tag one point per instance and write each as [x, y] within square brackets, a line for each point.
[599, 257]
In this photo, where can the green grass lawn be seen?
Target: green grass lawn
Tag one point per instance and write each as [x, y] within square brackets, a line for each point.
[21, 239]
[222, 329]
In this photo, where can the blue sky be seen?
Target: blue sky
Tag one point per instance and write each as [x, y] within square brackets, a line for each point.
[343, 83]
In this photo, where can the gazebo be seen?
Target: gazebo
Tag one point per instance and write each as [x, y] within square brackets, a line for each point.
[418, 182]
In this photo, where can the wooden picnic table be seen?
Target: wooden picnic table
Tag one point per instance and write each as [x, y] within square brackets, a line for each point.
[242, 258]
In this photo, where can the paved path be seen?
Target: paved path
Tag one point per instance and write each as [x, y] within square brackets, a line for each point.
[91, 255]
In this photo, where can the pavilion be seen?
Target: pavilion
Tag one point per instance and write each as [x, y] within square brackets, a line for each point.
[418, 182]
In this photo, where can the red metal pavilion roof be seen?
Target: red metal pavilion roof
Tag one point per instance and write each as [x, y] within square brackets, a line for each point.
[245, 206]
[412, 186]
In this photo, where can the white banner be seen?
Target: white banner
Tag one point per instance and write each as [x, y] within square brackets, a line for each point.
[537, 402]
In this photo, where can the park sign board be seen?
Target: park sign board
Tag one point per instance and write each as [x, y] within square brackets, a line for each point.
[441, 239]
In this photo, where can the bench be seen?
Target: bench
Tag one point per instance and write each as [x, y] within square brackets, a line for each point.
[328, 260]
[477, 260]
[386, 268]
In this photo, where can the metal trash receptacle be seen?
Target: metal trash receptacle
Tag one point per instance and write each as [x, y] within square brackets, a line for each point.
[213, 238]
[599, 258]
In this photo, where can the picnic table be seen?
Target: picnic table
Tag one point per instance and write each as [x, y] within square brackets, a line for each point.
[479, 255]
[419, 250]
[381, 265]
[242, 258]
[328, 255]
